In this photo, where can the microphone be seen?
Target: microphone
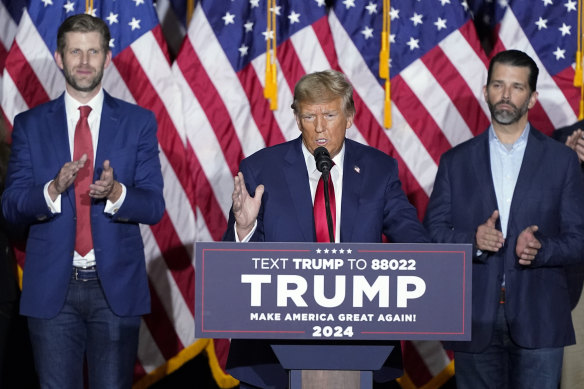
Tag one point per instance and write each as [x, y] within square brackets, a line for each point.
[323, 160]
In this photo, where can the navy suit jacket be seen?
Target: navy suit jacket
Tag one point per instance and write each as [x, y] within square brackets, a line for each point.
[40, 147]
[373, 204]
[575, 272]
[550, 194]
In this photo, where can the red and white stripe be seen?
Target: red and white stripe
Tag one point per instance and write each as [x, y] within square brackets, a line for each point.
[427, 120]
[7, 32]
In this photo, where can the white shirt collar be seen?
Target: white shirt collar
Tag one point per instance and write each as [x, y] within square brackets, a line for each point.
[520, 141]
[72, 105]
[311, 163]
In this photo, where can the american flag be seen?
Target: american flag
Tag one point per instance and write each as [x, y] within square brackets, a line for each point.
[547, 31]
[141, 73]
[10, 12]
[438, 69]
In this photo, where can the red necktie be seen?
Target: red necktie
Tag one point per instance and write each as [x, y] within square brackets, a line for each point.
[83, 145]
[322, 234]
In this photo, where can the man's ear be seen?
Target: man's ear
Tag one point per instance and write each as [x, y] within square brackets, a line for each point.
[350, 121]
[108, 59]
[298, 124]
[533, 99]
[58, 59]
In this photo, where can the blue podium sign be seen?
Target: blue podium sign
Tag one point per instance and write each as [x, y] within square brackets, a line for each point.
[334, 291]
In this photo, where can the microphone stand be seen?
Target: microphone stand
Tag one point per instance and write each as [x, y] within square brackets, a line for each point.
[329, 217]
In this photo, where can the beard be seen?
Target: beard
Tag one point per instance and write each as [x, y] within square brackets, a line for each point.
[505, 116]
[93, 83]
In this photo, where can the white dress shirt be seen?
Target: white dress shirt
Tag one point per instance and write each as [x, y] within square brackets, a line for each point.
[94, 119]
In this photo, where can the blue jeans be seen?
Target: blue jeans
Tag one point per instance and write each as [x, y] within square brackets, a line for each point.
[87, 328]
[506, 365]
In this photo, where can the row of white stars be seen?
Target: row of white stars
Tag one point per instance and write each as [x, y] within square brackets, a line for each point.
[256, 3]
[70, 7]
[570, 4]
[542, 23]
[416, 19]
[334, 251]
[111, 18]
[372, 7]
[229, 18]
[367, 32]
[565, 29]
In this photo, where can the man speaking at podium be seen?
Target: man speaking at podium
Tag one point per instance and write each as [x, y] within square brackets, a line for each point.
[278, 196]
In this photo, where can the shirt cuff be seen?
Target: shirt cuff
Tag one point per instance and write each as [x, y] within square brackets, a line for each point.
[113, 208]
[54, 206]
[248, 236]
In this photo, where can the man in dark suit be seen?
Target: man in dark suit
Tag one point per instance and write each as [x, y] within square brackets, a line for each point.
[84, 284]
[275, 189]
[572, 372]
[518, 196]
[573, 137]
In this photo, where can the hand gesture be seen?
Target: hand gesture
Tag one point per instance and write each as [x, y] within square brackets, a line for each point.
[576, 143]
[488, 238]
[245, 207]
[106, 186]
[66, 177]
[527, 246]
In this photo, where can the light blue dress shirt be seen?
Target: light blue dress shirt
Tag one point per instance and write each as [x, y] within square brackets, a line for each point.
[505, 165]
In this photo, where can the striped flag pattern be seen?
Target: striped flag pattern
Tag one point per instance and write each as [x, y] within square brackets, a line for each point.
[547, 31]
[437, 69]
[10, 12]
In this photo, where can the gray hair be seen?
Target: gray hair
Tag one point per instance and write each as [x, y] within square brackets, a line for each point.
[319, 87]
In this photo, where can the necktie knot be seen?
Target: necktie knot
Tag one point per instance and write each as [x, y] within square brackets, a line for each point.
[84, 111]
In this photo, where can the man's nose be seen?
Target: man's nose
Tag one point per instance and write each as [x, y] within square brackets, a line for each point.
[319, 124]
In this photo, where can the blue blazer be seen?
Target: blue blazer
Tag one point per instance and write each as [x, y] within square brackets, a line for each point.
[550, 194]
[373, 205]
[40, 147]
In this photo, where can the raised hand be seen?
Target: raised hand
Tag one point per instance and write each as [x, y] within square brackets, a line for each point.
[245, 207]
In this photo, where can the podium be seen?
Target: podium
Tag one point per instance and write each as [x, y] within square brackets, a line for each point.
[332, 307]
[363, 359]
